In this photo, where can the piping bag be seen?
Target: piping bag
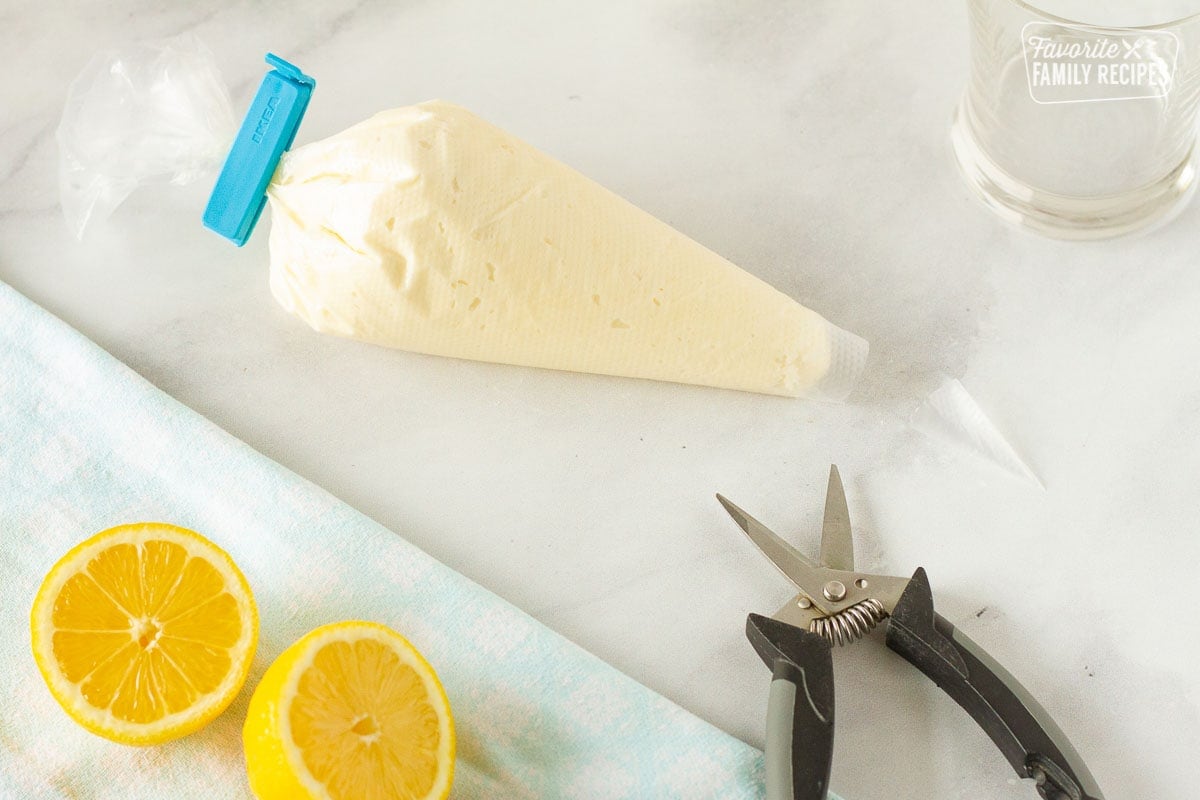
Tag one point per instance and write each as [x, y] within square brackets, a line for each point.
[427, 229]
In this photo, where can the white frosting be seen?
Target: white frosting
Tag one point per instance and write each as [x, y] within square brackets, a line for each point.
[427, 229]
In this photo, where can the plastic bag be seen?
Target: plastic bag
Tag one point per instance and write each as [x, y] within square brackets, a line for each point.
[153, 112]
[950, 415]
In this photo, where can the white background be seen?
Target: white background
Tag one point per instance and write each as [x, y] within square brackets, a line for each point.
[806, 142]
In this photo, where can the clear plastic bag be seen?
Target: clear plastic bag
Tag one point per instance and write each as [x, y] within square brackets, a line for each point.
[152, 112]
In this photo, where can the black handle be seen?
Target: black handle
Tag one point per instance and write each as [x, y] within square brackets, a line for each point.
[799, 749]
[1020, 727]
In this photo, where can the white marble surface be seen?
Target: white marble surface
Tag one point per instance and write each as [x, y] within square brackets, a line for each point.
[806, 142]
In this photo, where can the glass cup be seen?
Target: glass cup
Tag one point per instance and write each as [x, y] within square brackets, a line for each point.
[1080, 131]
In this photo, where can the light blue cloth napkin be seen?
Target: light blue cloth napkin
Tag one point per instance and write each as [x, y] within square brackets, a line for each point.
[85, 444]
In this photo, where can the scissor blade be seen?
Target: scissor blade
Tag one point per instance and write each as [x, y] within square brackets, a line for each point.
[798, 568]
[837, 543]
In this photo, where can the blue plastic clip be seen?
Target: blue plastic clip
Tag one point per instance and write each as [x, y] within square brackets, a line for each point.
[268, 130]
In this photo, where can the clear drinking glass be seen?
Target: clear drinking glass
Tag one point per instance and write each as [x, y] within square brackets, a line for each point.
[1080, 130]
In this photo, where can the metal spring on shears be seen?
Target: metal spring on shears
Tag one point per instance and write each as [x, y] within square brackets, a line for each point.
[851, 624]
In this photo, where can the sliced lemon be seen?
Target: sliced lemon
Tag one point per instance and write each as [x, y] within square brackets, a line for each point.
[351, 711]
[144, 632]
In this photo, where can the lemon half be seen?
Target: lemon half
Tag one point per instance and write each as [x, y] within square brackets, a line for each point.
[351, 710]
[144, 632]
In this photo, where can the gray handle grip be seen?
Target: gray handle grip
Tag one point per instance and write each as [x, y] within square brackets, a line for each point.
[1016, 723]
[799, 748]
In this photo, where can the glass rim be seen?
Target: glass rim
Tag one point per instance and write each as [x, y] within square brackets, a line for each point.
[1029, 6]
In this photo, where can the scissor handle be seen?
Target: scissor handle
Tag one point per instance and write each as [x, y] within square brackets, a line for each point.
[1023, 730]
[799, 750]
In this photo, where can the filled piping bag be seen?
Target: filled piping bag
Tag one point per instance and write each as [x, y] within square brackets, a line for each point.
[427, 229]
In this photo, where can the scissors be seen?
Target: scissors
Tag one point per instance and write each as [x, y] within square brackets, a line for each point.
[837, 605]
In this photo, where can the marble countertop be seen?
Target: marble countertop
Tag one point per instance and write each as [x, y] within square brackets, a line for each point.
[806, 142]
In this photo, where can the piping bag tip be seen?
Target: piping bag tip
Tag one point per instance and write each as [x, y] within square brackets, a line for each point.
[268, 130]
[847, 362]
[950, 415]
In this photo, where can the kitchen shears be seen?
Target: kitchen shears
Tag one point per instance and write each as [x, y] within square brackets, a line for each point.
[837, 605]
